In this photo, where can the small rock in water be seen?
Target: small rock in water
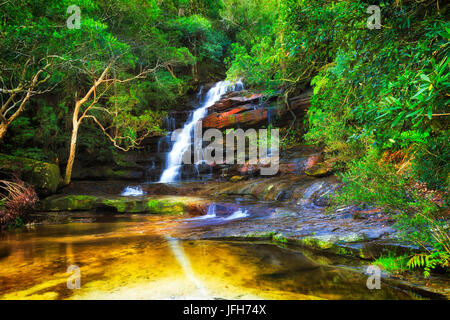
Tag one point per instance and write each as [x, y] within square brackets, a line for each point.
[238, 178]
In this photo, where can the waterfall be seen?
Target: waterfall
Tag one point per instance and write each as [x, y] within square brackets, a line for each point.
[183, 140]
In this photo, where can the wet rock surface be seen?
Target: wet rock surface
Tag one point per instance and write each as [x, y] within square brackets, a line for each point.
[343, 232]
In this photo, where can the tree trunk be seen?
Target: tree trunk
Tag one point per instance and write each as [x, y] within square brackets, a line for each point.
[3, 127]
[76, 122]
[73, 145]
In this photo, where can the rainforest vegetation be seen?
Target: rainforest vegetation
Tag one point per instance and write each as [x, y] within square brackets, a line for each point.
[379, 106]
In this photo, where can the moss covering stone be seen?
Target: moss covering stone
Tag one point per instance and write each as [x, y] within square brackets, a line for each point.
[166, 206]
[116, 204]
[45, 177]
[315, 242]
[69, 203]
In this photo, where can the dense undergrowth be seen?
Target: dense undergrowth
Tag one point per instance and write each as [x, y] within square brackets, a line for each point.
[17, 199]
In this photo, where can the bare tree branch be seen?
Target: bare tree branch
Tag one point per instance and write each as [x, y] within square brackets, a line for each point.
[20, 94]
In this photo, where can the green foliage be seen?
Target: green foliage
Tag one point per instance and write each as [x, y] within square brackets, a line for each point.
[17, 223]
[255, 54]
[197, 32]
[434, 153]
[330, 118]
[368, 181]
[38, 137]
[255, 65]
[246, 19]
[429, 261]
[392, 263]
[289, 137]
[431, 234]
[417, 218]
[372, 88]
[374, 92]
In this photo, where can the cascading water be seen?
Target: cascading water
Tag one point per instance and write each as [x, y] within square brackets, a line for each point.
[184, 139]
[209, 215]
[132, 192]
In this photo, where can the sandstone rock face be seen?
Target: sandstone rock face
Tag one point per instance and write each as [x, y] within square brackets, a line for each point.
[45, 177]
[290, 189]
[227, 120]
[232, 100]
[243, 110]
[235, 109]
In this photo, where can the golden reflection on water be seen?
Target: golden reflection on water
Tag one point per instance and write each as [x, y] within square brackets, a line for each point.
[133, 259]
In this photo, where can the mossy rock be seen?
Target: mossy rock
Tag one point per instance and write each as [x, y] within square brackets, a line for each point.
[124, 205]
[155, 206]
[316, 243]
[45, 177]
[69, 203]
[166, 206]
[116, 204]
